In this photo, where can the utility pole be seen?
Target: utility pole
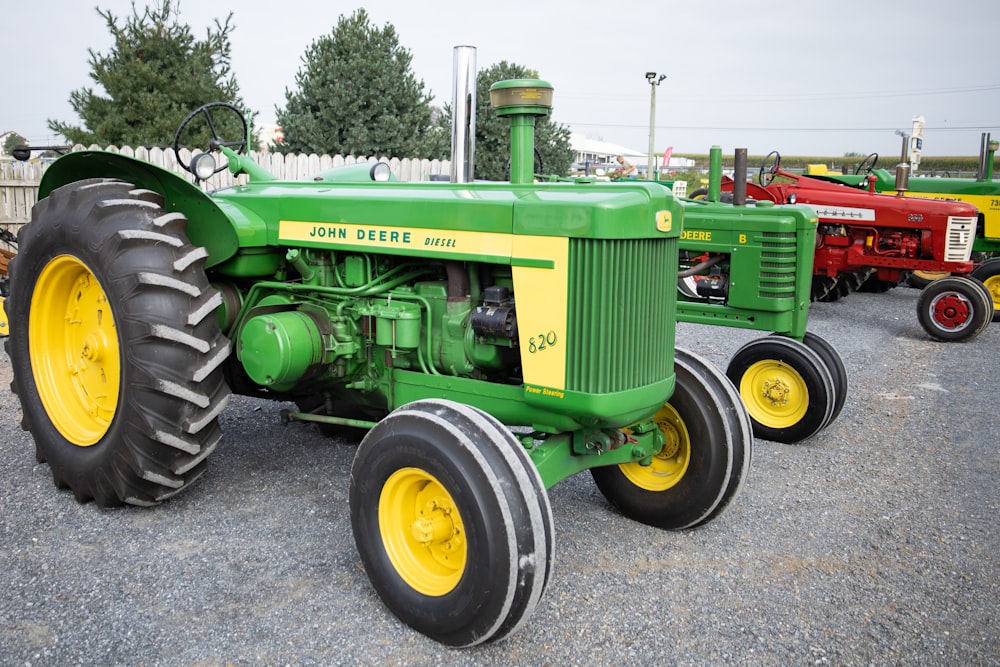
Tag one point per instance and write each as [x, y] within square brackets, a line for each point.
[653, 83]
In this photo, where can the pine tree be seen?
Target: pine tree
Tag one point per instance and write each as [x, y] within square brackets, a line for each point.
[154, 75]
[356, 95]
[12, 141]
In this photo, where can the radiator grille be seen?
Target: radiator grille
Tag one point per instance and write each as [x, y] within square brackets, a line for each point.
[778, 259]
[961, 233]
[621, 313]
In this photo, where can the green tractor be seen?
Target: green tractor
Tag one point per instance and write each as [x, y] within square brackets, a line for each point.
[494, 339]
[750, 266]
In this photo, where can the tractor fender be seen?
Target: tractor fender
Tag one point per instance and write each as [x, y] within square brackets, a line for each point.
[209, 225]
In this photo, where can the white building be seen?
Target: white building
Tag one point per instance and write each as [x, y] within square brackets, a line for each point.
[594, 154]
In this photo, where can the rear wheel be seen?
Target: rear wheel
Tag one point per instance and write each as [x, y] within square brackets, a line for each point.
[954, 309]
[989, 273]
[875, 285]
[115, 348]
[452, 522]
[823, 287]
[788, 390]
[704, 463]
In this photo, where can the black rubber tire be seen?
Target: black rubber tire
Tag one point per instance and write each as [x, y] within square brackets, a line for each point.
[835, 364]
[801, 371]
[503, 508]
[714, 425]
[823, 287]
[840, 290]
[165, 343]
[855, 279]
[875, 285]
[954, 309]
[738, 422]
[989, 274]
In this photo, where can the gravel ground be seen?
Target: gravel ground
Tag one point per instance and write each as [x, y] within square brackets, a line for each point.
[875, 542]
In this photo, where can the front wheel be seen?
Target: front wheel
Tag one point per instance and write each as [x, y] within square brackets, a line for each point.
[115, 348]
[787, 388]
[452, 522]
[704, 461]
[835, 364]
[954, 309]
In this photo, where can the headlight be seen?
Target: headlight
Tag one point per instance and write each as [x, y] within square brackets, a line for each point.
[203, 166]
[792, 198]
[381, 172]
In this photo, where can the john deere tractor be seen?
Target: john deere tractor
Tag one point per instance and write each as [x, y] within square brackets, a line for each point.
[749, 264]
[494, 339]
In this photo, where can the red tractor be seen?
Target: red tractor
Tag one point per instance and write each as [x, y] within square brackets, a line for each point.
[872, 241]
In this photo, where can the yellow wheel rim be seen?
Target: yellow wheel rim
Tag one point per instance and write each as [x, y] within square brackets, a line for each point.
[4, 324]
[74, 352]
[422, 531]
[993, 285]
[671, 462]
[931, 276]
[774, 394]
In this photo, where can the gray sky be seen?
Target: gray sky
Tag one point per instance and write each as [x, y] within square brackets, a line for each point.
[799, 77]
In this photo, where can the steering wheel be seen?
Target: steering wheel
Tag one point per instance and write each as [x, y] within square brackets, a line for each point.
[867, 164]
[767, 170]
[215, 141]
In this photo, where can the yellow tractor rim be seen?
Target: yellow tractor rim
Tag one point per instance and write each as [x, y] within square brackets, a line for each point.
[671, 462]
[774, 394]
[931, 276]
[993, 285]
[422, 531]
[4, 324]
[74, 350]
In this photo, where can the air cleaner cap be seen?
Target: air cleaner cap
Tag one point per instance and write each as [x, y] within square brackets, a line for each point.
[521, 96]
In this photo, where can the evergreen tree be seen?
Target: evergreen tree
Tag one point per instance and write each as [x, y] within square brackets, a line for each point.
[356, 95]
[552, 141]
[154, 75]
[13, 140]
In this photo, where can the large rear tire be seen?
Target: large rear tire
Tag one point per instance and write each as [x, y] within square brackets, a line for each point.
[115, 348]
[954, 309]
[704, 463]
[787, 388]
[452, 522]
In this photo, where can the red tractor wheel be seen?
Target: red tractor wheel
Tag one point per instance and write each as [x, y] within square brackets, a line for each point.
[954, 309]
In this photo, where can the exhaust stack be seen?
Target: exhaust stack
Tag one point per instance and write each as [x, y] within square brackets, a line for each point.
[463, 118]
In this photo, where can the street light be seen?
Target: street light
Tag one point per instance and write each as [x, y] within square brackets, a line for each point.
[653, 83]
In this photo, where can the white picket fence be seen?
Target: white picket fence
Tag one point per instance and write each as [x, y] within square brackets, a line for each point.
[19, 180]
